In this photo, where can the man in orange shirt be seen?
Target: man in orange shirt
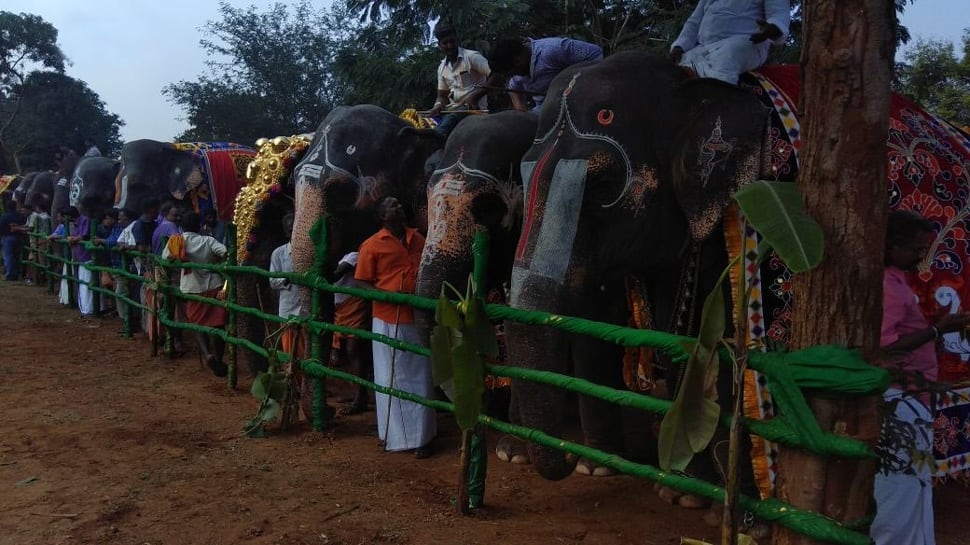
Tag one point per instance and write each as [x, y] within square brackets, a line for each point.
[389, 261]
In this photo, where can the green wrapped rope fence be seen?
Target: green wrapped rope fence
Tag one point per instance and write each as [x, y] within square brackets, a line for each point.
[787, 373]
[232, 378]
[808, 523]
[318, 234]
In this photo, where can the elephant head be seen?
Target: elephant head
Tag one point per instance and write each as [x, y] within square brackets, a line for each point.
[477, 187]
[358, 155]
[92, 186]
[41, 190]
[632, 163]
[20, 192]
[154, 169]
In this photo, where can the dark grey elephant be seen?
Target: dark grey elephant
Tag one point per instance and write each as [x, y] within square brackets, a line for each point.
[476, 187]
[180, 171]
[44, 189]
[20, 191]
[41, 190]
[359, 154]
[92, 186]
[260, 208]
[631, 168]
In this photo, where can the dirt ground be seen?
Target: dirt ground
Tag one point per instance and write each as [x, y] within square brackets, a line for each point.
[100, 443]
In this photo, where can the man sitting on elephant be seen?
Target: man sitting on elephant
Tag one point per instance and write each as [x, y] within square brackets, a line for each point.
[461, 78]
[533, 63]
[723, 38]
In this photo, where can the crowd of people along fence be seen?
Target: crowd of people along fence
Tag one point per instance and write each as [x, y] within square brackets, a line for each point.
[796, 426]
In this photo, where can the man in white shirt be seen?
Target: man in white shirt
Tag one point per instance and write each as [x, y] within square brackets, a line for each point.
[723, 38]
[196, 248]
[294, 338]
[462, 75]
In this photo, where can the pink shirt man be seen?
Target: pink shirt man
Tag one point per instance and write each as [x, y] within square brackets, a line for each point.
[901, 315]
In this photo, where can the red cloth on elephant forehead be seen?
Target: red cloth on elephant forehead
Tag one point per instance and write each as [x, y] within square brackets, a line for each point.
[226, 178]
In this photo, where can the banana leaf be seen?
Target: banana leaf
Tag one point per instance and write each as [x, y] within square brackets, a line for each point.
[776, 211]
[689, 425]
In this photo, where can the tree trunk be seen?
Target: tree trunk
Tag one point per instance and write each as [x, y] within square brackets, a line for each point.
[846, 70]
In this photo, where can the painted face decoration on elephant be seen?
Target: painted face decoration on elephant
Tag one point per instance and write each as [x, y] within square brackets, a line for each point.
[475, 189]
[611, 151]
[92, 186]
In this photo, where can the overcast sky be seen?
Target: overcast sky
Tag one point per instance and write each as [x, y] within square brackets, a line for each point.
[128, 50]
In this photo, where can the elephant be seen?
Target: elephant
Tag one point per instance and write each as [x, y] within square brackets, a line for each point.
[20, 191]
[41, 190]
[260, 207]
[632, 167]
[45, 188]
[92, 186]
[477, 187]
[208, 174]
[358, 155]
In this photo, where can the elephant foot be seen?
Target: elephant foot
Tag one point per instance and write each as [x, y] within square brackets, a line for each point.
[512, 450]
[687, 501]
[591, 468]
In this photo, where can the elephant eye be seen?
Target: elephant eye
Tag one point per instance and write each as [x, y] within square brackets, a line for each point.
[605, 116]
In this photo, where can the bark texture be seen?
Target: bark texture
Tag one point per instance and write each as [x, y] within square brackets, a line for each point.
[846, 71]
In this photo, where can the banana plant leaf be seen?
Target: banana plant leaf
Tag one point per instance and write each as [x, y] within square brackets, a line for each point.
[444, 337]
[776, 210]
[692, 419]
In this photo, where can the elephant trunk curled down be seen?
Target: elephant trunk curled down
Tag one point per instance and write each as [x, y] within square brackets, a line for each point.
[631, 169]
[476, 188]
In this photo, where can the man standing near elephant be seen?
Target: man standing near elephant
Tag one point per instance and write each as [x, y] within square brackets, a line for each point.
[723, 38]
[11, 226]
[461, 78]
[533, 64]
[389, 261]
[904, 495]
[191, 247]
[79, 234]
[293, 340]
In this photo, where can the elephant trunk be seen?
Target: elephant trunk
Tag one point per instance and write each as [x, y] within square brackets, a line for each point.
[308, 203]
[432, 276]
[542, 348]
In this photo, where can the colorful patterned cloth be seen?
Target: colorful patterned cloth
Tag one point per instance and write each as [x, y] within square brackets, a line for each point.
[928, 162]
[223, 166]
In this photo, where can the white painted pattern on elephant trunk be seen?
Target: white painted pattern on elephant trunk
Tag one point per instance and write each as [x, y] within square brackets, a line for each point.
[310, 172]
[441, 208]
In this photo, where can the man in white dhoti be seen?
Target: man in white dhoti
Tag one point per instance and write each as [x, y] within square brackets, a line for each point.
[389, 261]
[723, 38]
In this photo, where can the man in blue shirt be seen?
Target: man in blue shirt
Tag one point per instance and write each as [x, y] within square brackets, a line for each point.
[723, 38]
[11, 229]
[533, 64]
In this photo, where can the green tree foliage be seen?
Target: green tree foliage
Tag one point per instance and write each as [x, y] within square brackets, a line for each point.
[269, 73]
[55, 110]
[27, 43]
[933, 76]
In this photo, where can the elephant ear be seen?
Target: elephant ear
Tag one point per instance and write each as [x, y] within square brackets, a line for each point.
[718, 150]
